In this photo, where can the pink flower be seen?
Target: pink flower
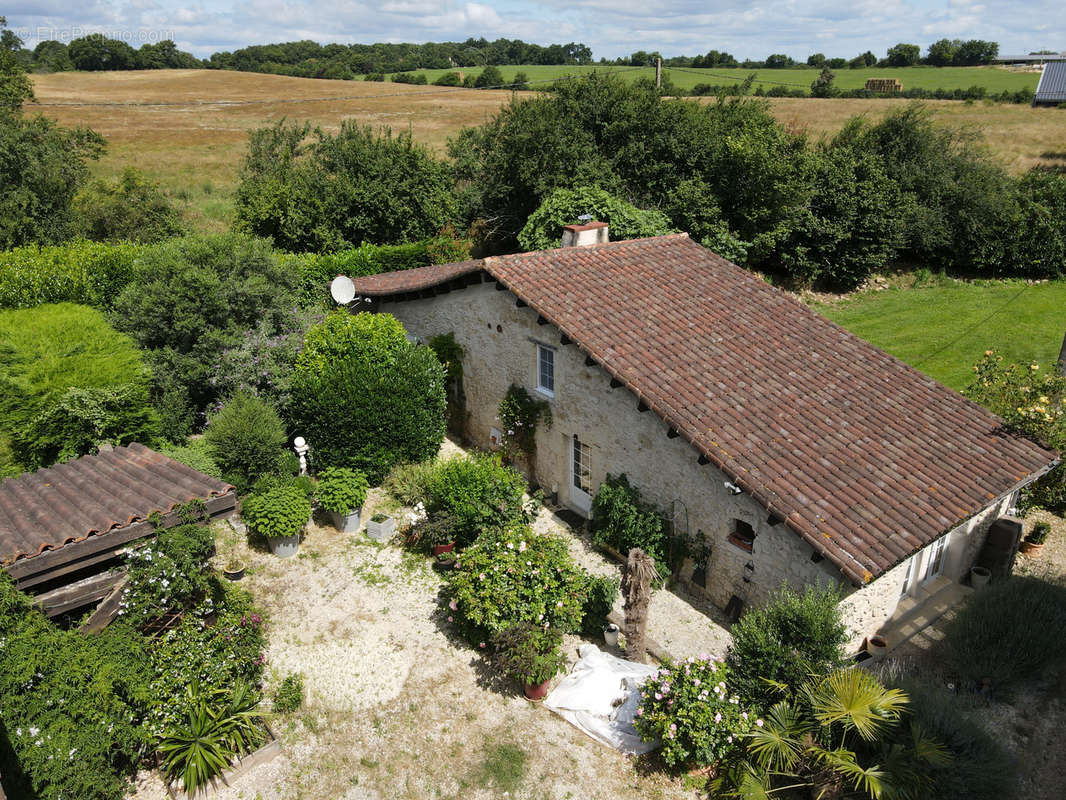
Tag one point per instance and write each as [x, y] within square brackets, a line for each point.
[482, 576]
[658, 696]
[759, 722]
[481, 645]
[673, 726]
[453, 605]
[450, 619]
[718, 717]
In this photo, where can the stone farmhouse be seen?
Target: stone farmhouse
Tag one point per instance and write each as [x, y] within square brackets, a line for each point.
[790, 449]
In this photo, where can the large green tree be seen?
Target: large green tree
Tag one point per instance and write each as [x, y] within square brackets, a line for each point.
[309, 190]
[15, 86]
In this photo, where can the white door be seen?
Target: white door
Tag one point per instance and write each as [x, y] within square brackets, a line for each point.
[910, 579]
[581, 476]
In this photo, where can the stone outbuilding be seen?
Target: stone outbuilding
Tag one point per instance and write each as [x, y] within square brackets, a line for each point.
[788, 450]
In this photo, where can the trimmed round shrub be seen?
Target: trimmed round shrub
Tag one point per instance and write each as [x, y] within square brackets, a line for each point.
[279, 511]
[478, 493]
[516, 576]
[341, 490]
[365, 398]
[245, 439]
[790, 638]
[693, 708]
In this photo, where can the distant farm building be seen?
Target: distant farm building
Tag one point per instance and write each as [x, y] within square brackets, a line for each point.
[1052, 87]
[884, 85]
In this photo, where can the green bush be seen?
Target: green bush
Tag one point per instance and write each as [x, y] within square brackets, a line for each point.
[600, 594]
[418, 78]
[167, 573]
[72, 705]
[195, 454]
[1008, 632]
[191, 299]
[278, 511]
[341, 490]
[529, 654]
[364, 397]
[787, 640]
[68, 382]
[478, 493]
[76, 272]
[622, 520]
[489, 78]
[290, 694]
[41, 167]
[409, 483]
[315, 191]
[217, 644]
[246, 439]
[449, 79]
[132, 209]
[544, 228]
[692, 708]
[516, 576]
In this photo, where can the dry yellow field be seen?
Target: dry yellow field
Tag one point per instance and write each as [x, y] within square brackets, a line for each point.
[193, 145]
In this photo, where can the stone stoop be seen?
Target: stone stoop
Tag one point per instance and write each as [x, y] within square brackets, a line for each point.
[921, 611]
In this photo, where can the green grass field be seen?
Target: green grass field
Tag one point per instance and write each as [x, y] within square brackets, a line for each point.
[994, 79]
[944, 330]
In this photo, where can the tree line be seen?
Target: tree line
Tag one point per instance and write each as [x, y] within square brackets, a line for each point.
[942, 53]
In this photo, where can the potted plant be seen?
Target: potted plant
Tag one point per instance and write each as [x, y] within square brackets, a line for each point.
[1034, 542]
[979, 577]
[342, 492]
[234, 569]
[380, 527]
[439, 533]
[877, 647]
[280, 514]
[444, 561]
[531, 655]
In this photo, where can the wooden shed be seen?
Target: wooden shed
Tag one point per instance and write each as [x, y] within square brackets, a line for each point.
[62, 528]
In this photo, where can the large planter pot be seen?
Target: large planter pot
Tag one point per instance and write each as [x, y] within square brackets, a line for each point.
[443, 548]
[347, 523]
[381, 531]
[1030, 548]
[234, 571]
[284, 546]
[538, 692]
[979, 577]
[877, 647]
[610, 635]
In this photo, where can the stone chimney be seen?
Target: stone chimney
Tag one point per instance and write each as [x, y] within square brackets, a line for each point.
[581, 235]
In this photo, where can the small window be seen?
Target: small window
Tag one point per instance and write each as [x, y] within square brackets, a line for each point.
[546, 370]
[743, 535]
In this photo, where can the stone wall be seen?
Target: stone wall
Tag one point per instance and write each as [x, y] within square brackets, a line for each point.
[500, 342]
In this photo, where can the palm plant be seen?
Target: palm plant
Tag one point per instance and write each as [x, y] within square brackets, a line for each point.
[843, 736]
[219, 726]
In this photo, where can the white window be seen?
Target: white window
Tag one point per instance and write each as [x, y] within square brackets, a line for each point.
[582, 464]
[935, 560]
[908, 579]
[546, 370]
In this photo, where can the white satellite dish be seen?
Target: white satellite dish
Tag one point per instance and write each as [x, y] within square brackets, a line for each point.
[342, 289]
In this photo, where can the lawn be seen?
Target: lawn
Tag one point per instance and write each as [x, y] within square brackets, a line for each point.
[944, 330]
[994, 79]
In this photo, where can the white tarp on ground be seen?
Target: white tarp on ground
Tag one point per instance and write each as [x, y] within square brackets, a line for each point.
[600, 696]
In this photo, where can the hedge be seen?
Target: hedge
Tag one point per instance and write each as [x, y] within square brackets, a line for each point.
[89, 273]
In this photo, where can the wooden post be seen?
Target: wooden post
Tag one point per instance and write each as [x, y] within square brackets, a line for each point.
[1062, 357]
[636, 591]
[658, 73]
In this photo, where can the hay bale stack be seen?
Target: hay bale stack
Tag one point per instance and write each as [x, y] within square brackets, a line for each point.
[884, 85]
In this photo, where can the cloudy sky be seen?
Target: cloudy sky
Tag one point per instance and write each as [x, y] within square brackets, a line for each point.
[610, 27]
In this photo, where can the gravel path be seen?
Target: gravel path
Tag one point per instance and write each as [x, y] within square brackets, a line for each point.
[397, 707]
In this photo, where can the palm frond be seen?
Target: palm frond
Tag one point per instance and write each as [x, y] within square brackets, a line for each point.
[855, 699]
[778, 744]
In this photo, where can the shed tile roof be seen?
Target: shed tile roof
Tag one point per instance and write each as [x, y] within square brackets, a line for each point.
[69, 502]
[866, 458]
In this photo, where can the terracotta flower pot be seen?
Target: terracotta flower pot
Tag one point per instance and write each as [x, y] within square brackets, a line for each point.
[877, 647]
[538, 692]
[1030, 548]
[443, 548]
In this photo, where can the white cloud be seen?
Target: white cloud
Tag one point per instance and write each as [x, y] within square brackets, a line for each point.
[609, 27]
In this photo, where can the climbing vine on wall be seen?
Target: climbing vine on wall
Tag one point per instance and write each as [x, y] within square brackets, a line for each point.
[519, 414]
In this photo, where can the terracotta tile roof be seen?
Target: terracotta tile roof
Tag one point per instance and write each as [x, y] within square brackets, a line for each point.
[866, 458]
[47, 509]
[412, 280]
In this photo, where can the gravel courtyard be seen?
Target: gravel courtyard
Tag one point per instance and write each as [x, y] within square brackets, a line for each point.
[397, 707]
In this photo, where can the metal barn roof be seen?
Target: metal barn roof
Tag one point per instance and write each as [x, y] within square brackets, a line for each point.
[1052, 86]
